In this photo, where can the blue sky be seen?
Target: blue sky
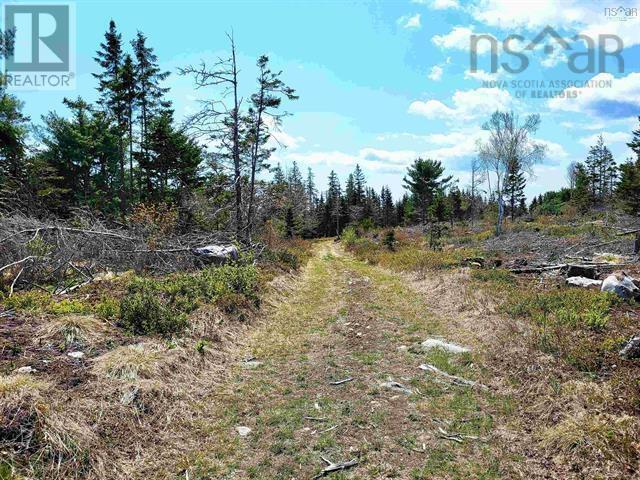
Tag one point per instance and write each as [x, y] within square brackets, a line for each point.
[382, 82]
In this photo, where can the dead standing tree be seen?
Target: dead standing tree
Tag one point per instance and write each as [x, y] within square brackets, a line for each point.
[219, 122]
[509, 141]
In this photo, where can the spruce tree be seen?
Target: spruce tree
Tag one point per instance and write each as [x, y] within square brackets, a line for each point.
[150, 95]
[424, 180]
[514, 184]
[109, 58]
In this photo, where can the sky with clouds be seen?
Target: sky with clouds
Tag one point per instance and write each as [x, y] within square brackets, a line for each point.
[383, 82]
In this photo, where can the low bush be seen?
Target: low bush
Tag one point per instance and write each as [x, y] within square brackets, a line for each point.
[162, 305]
[35, 301]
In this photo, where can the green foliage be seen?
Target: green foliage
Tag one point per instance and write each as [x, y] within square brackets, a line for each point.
[496, 276]
[628, 190]
[34, 301]
[201, 346]
[389, 240]
[424, 180]
[162, 305]
[107, 308]
[144, 312]
[349, 236]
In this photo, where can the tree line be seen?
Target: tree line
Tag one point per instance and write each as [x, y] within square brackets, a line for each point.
[127, 152]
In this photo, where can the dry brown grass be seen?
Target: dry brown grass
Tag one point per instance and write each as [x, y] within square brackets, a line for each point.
[68, 330]
[595, 436]
[38, 428]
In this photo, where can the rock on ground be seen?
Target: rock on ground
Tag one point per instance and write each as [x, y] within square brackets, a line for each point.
[621, 284]
[431, 343]
[243, 431]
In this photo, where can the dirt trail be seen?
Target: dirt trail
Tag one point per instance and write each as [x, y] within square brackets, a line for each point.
[317, 388]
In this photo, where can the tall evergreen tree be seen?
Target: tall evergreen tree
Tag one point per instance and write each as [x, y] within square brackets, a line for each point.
[514, 184]
[150, 95]
[109, 58]
[128, 93]
[424, 180]
[265, 104]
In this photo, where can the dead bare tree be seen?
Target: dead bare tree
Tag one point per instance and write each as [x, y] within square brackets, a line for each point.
[218, 122]
[478, 177]
[509, 141]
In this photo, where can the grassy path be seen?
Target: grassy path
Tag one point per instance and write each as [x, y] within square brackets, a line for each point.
[344, 319]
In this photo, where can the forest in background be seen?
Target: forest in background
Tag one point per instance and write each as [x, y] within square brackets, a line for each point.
[126, 158]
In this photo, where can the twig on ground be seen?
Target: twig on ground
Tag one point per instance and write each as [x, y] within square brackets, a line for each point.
[334, 467]
[340, 382]
[463, 382]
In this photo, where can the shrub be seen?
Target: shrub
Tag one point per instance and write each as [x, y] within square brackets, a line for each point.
[144, 312]
[108, 308]
[161, 306]
[389, 240]
[349, 237]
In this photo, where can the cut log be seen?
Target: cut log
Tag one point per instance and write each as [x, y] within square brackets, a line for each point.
[583, 282]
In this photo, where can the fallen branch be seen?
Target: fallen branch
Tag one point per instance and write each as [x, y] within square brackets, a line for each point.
[629, 232]
[463, 382]
[17, 263]
[69, 229]
[335, 467]
[455, 437]
[315, 419]
[340, 382]
[539, 269]
[13, 284]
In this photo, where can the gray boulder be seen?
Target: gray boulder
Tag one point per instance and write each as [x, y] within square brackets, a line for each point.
[217, 253]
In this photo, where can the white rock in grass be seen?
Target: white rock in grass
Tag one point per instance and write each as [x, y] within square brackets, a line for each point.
[621, 284]
[243, 431]
[76, 355]
[27, 369]
[431, 343]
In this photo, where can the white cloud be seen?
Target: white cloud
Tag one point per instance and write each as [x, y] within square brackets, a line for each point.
[412, 21]
[374, 159]
[430, 109]
[587, 18]
[621, 99]
[483, 76]
[608, 137]
[436, 73]
[529, 14]
[554, 151]
[439, 4]
[280, 138]
[467, 104]
[459, 38]
[583, 126]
